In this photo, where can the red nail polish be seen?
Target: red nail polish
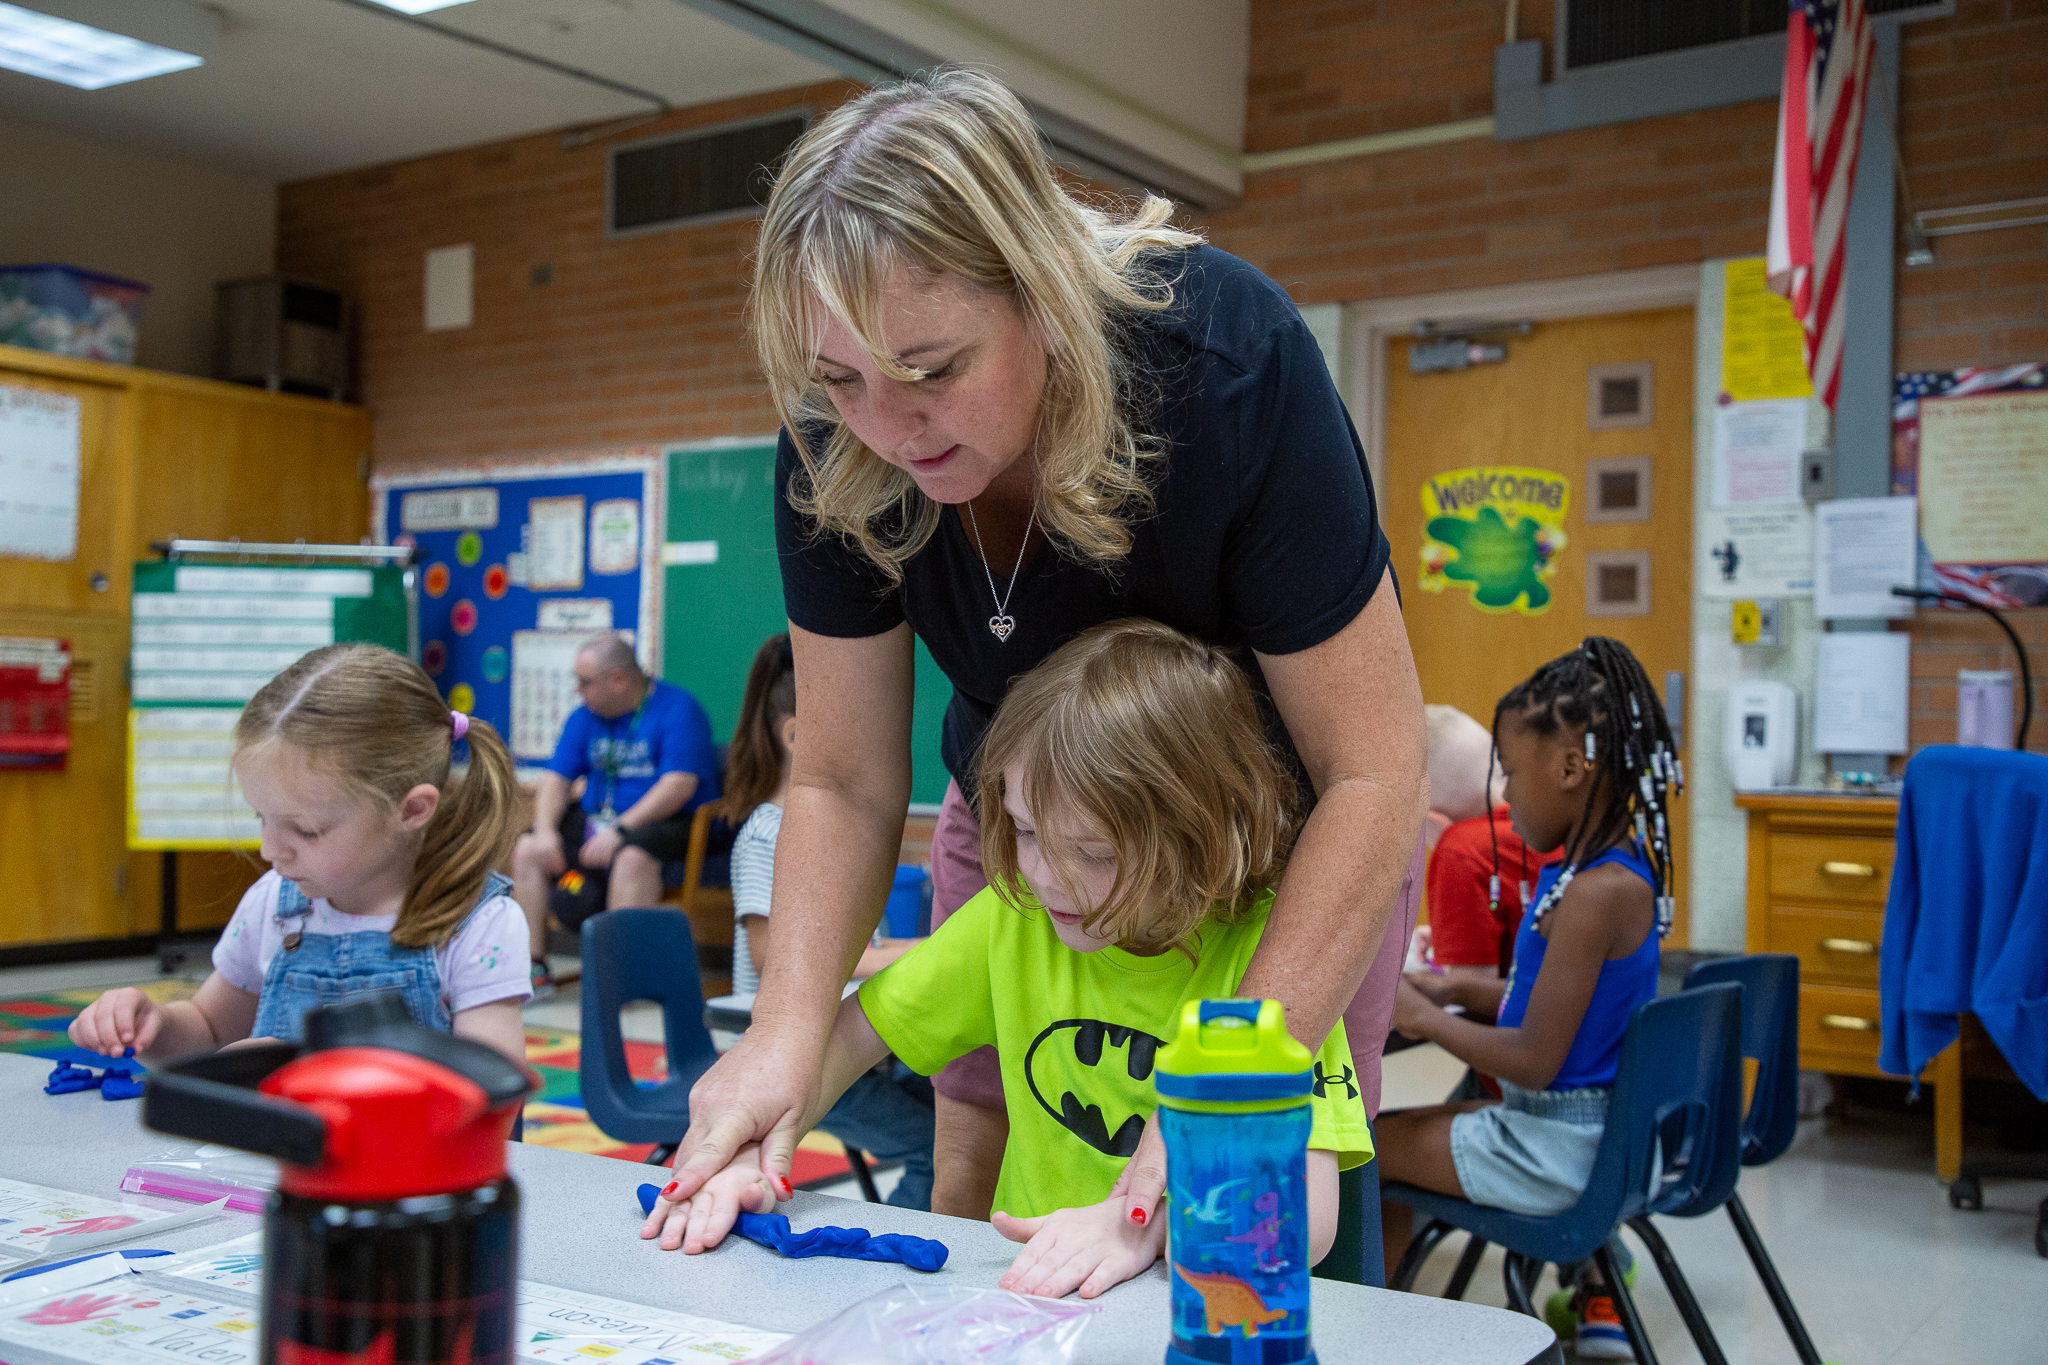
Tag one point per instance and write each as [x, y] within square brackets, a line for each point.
[782, 1184]
[670, 1191]
[1138, 1217]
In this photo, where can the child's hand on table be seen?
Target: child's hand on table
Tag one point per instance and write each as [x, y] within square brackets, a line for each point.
[700, 1222]
[118, 1020]
[1093, 1249]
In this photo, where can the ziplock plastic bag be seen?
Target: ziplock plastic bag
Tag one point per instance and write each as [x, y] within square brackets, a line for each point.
[916, 1324]
[211, 1172]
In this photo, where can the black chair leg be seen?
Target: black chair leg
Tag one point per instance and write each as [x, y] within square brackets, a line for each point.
[662, 1154]
[1468, 1261]
[858, 1160]
[1418, 1251]
[1625, 1304]
[1767, 1271]
[1681, 1291]
[1518, 1277]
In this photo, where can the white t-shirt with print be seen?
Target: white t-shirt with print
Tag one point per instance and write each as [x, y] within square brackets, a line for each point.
[485, 961]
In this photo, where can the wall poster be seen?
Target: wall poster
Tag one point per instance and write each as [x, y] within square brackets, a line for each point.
[1498, 528]
[1973, 444]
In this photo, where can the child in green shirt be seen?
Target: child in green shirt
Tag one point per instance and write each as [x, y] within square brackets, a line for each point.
[1133, 818]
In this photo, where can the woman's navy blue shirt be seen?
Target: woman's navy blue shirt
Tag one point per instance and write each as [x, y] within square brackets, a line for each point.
[1265, 535]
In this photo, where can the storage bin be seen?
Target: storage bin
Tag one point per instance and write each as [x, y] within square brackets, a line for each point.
[69, 311]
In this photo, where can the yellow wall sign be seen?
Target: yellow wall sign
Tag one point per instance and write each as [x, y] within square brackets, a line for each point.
[1498, 528]
[1763, 347]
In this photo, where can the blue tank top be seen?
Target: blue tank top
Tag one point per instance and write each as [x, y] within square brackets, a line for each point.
[1624, 984]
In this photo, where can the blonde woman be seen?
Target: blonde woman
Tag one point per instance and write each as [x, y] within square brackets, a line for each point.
[1010, 416]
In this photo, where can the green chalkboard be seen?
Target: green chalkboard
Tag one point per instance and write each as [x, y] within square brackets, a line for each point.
[722, 594]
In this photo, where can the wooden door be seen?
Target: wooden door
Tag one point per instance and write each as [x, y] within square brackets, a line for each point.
[69, 585]
[1497, 444]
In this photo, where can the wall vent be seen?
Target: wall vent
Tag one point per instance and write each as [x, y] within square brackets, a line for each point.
[1595, 32]
[702, 177]
[85, 693]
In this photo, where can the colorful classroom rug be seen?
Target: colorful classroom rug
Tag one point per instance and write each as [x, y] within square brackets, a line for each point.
[555, 1117]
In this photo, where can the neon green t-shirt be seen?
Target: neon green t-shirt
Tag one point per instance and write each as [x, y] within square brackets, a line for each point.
[1077, 1033]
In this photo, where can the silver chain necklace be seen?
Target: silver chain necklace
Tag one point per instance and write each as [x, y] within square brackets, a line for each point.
[1002, 623]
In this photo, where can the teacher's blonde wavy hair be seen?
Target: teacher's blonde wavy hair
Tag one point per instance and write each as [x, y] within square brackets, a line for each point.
[1152, 738]
[945, 174]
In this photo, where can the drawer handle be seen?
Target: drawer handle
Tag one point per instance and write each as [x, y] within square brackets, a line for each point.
[1838, 869]
[1851, 1022]
[1849, 945]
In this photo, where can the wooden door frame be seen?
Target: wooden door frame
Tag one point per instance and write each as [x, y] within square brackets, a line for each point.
[1371, 324]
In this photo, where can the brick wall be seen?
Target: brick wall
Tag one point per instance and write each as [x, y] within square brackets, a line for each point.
[639, 340]
[633, 340]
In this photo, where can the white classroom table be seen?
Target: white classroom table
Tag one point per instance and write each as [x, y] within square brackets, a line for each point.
[578, 1230]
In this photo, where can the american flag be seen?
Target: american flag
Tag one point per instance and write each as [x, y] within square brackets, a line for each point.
[1830, 60]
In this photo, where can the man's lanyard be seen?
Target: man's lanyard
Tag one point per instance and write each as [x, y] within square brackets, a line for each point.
[614, 758]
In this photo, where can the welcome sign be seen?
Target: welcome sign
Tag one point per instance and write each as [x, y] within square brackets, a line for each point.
[1498, 529]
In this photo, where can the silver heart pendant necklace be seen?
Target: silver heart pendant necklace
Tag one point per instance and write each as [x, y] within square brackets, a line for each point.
[1002, 623]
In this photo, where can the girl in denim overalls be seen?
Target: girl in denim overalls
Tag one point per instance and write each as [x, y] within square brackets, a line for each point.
[381, 869]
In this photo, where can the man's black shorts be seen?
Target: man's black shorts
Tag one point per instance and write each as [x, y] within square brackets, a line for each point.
[667, 841]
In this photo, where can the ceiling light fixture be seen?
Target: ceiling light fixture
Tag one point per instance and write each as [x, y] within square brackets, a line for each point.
[78, 55]
[417, 6]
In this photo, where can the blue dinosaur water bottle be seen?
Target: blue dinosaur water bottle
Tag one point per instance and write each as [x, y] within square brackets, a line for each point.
[1234, 1110]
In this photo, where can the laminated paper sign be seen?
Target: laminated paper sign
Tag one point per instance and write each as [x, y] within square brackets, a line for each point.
[1496, 529]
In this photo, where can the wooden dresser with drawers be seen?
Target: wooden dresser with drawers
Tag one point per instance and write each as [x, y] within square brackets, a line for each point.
[1820, 868]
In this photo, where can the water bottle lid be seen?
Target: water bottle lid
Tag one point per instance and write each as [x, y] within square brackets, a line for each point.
[1232, 1050]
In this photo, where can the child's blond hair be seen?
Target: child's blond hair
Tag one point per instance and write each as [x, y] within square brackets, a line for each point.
[372, 721]
[1152, 737]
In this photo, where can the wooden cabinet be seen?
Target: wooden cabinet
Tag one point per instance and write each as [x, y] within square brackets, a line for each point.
[162, 455]
[1820, 868]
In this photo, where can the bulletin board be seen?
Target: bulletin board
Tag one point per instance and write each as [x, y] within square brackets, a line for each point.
[722, 594]
[518, 566]
[206, 638]
[1972, 445]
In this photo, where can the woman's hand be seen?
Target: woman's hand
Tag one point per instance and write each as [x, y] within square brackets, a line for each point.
[1412, 1010]
[600, 848]
[1092, 1249]
[120, 1019]
[753, 1099]
[700, 1221]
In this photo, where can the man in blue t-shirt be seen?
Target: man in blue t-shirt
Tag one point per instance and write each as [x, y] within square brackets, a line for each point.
[645, 754]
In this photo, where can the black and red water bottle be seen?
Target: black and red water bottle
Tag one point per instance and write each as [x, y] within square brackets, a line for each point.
[393, 1236]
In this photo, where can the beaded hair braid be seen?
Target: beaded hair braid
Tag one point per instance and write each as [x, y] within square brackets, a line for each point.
[1600, 690]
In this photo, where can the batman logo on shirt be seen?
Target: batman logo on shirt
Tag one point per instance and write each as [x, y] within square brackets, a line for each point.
[1066, 1059]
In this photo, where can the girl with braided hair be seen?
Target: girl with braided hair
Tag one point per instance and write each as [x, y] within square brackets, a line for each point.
[1590, 766]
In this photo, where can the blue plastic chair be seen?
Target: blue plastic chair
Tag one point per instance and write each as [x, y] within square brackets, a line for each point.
[1672, 1140]
[633, 955]
[1356, 1256]
[1770, 1034]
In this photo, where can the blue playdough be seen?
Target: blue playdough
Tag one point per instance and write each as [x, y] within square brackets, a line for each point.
[120, 1084]
[67, 1078]
[772, 1230]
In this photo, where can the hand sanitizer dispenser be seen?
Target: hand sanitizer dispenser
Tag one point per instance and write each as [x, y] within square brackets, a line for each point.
[1761, 739]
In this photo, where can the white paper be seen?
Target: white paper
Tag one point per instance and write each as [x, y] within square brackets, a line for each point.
[549, 1324]
[39, 458]
[183, 788]
[1759, 551]
[126, 1324]
[519, 568]
[297, 582]
[553, 1324]
[680, 552]
[615, 536]
[49, 1284]
[228, 1265]
[1859, 697]
[543, 688]
[32, 1217]
[449, 509]
[586, 614]
[449, 290]
[554, 544]
[1862, 549]
[1756, 450]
